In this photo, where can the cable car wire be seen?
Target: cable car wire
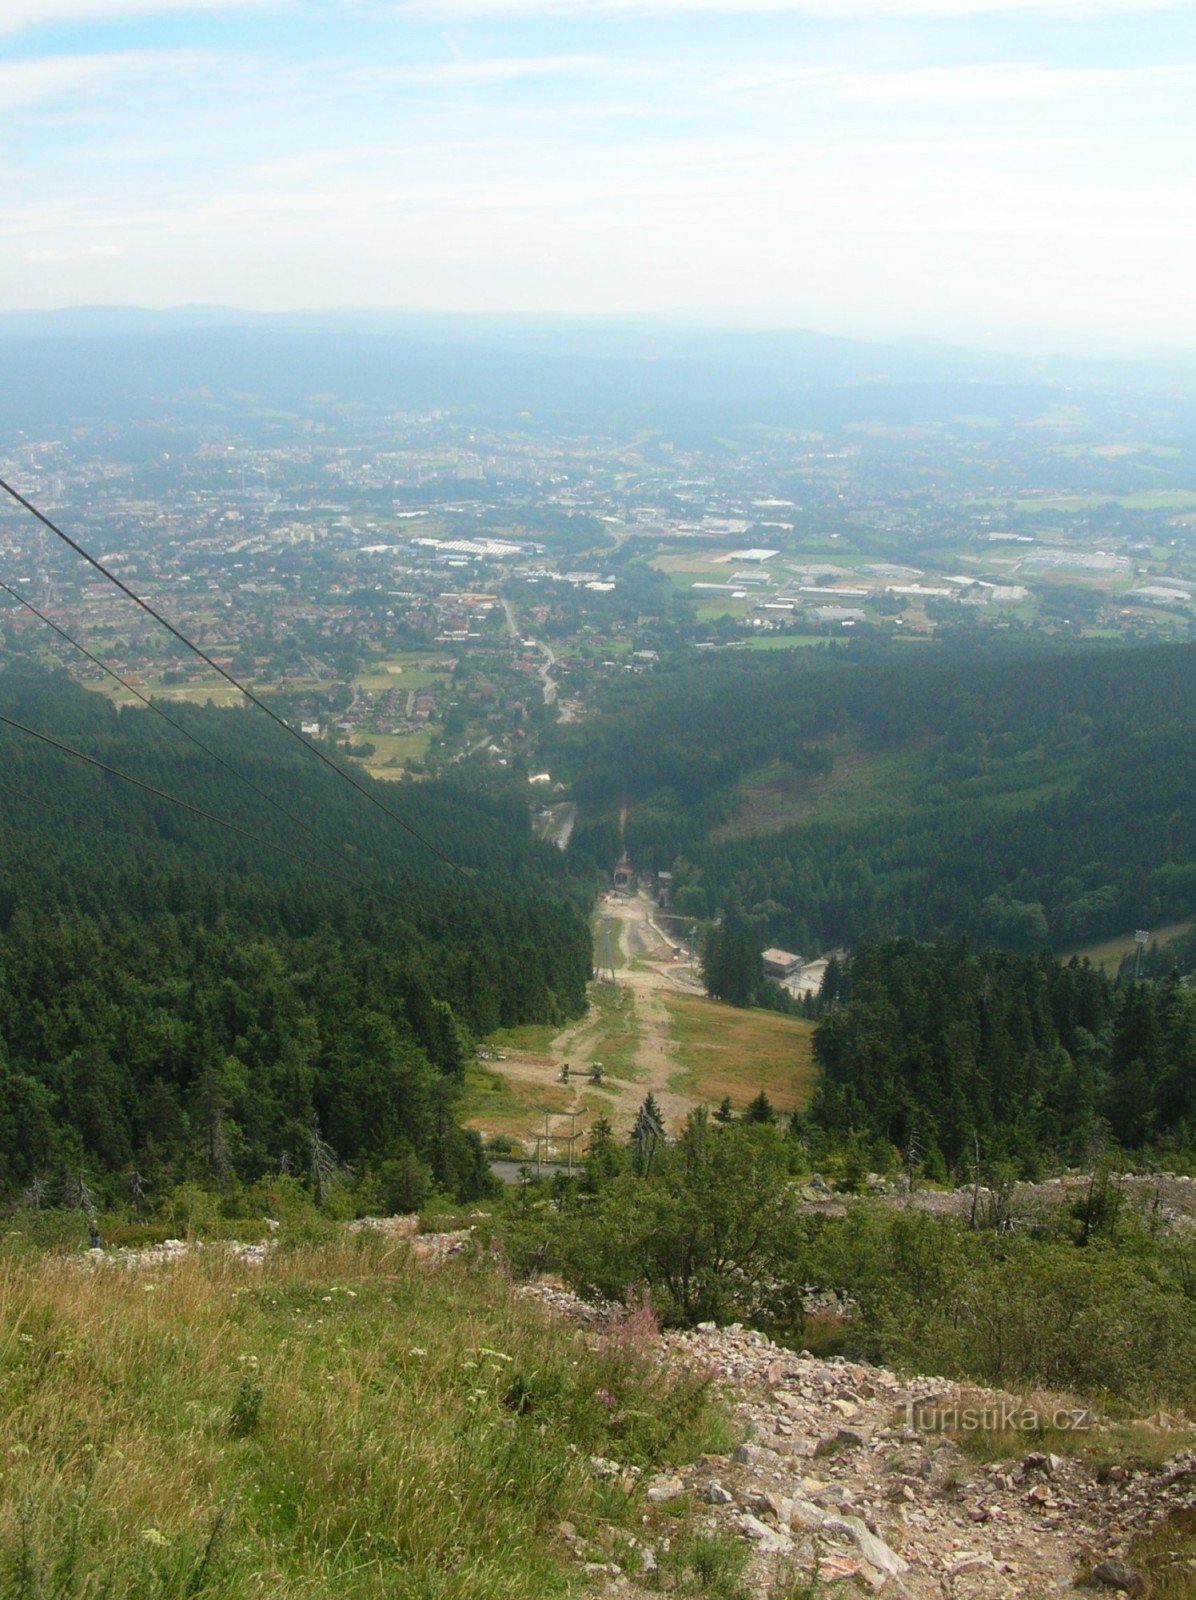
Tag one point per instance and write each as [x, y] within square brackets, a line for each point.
[249, 694]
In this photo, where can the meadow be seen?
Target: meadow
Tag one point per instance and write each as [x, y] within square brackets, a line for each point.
[727, 1051]
[337, 1421]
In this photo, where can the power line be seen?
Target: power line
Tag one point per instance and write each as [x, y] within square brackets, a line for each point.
[263, 794]
[145, 606]
[176, 800]
[234, 827]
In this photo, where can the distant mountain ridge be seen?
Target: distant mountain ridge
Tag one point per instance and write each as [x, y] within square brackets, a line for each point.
[124, 363]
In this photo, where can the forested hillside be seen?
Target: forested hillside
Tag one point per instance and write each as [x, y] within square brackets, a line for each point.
[943, 1052]
[179, 1000]
[834, 796]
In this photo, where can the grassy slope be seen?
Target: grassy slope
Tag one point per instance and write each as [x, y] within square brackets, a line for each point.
[863, 784]
[338, 1422]
[1108, 954]
[726, 1051]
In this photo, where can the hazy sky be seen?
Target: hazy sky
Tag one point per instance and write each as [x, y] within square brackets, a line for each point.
[860, 165]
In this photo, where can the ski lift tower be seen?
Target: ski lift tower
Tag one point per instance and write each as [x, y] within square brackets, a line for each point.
[606, 957]
[1141, 939]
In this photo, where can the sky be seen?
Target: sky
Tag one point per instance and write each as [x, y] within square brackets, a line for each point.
[951, 168]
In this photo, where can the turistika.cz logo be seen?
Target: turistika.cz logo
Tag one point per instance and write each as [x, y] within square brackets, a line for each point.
[1004, 1416]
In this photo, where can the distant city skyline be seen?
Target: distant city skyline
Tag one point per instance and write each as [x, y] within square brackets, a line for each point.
[901, 167]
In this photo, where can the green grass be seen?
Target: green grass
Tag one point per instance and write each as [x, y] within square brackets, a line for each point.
[400, 747]
[859, 782]
[863, 785]
[617, 953]
[200, 693]
[616, 1042]
[724, 1050]
[783, 641]
[1108, 954]
[1140, 500]
[493, 1103]
[535, 1038]
[713, 608]
[338, 1422]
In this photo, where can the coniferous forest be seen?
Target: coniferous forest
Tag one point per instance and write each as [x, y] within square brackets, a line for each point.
[950, 1055]
[180, 1001]
[183, 1000]
[1016, 799]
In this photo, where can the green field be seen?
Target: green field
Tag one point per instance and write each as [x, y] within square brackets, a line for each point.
[782, 641]
[863, 784]
[727, 1051]
[394, 747]
[1140, 500]
[617, 1038]
[1108, 954]
[773, 797]
[212, 690]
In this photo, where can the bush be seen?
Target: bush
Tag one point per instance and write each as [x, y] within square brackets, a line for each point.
[1113, 1322]
[714, 1232]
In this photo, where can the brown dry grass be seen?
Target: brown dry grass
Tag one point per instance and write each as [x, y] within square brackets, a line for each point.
[727, 1051]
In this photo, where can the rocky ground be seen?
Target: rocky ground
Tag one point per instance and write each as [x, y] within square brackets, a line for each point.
[1167, 1198]
[850, 1473]
[846, 1477]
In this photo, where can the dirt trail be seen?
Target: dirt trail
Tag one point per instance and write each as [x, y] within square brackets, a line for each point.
[649, 968]
[851, 1478]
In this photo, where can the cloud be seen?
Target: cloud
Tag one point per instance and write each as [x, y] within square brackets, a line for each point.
[16, 16]
[492, 70]
[968, 86]
[42, 78]
[836, 9]
[55, 258]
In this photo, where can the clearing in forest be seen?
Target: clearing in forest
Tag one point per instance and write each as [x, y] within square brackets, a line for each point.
[723, 1050]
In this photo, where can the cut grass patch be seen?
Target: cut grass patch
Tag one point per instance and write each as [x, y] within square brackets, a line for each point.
[727, 1051]
[1108, 954]
[533, 1038]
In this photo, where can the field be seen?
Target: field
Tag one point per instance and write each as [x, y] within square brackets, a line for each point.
[1108, 954]
[1140, 500]
[199, 692]
[726, 1051]
[773, 797]
[392, 750]
[338, 1421]
[862, 783]
[783, 641]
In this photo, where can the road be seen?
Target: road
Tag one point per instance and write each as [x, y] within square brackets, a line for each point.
[545, 668]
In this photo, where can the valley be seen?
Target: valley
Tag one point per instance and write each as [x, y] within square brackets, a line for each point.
[653, 1030]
